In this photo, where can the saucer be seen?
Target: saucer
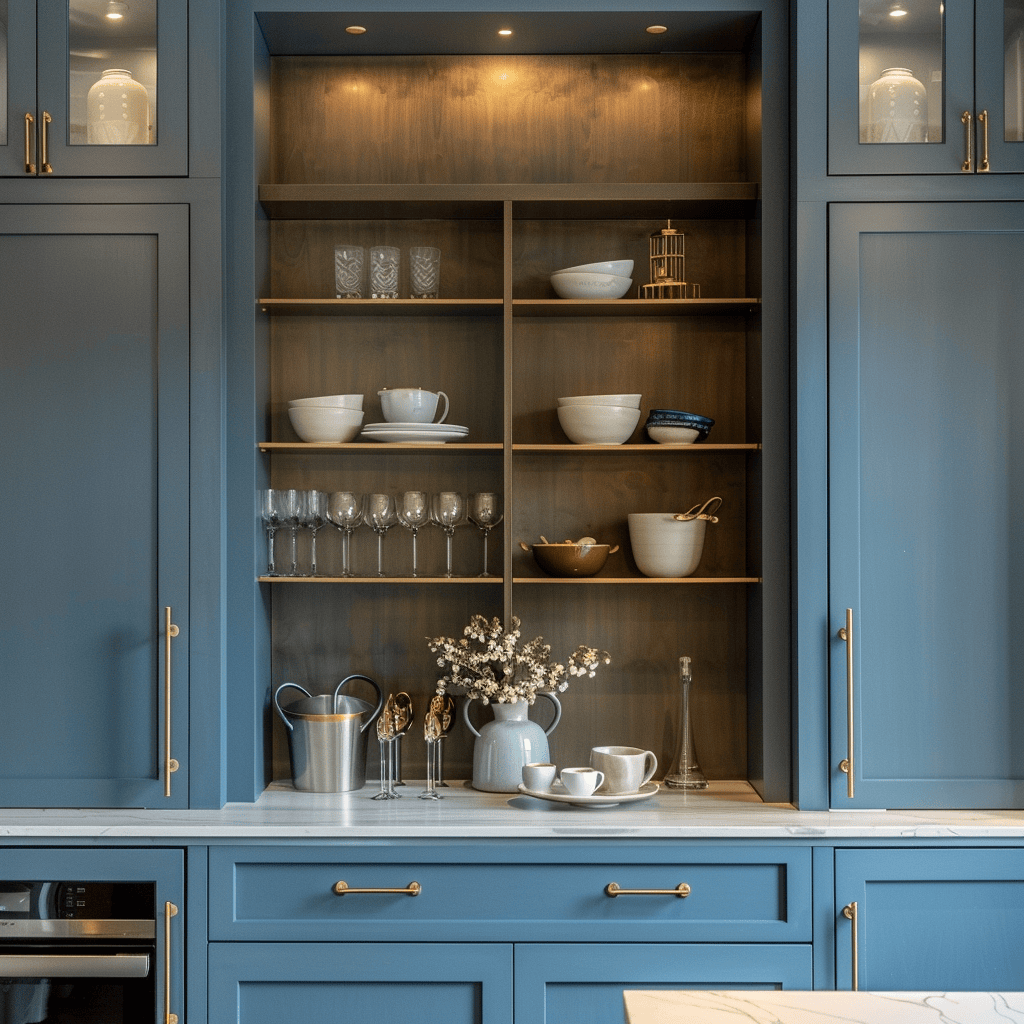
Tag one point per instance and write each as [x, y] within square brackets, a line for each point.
[416, 433]
[559, 795]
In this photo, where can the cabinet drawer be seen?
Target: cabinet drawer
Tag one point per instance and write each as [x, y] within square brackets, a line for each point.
[503, 893]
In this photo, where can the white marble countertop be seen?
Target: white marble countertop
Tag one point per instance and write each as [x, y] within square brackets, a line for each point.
[728, 810]
[698, 1007]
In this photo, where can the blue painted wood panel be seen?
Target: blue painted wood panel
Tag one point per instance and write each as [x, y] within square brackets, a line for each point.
[948, 920]
[472, 894]
[583, 984]
[926, 482]
[95, 427]
[322, 983]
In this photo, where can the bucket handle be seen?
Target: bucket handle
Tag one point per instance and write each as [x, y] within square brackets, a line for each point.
[277, 703]
[700, 511]
[380, 697]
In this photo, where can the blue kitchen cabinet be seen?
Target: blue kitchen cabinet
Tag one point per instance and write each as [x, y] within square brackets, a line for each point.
[583, 983]
[926, 480]
[930, 919]
[321, 983]
[966, 114]
[55, 52]
[95, 421]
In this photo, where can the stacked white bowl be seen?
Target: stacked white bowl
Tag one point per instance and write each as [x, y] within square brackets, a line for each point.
[327, 419]
[608, 280]
[599, 419]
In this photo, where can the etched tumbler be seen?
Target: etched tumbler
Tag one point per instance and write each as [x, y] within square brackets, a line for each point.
[384, 272]
[424, 271]
[349, 272]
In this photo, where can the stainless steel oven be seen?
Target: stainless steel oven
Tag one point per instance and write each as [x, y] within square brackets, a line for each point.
[77, 952]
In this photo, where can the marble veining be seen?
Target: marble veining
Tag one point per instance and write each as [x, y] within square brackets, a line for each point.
[701, 1007]
[727, 810]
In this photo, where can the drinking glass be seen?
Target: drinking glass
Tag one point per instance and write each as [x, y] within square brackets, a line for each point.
[380, 516]
[290, 506]
[413, 511]
[448, 510]
[384, 272]
[314, 517]
[345, 511]
[424, 271]
[349, 271]
[485, 512]
[270, 512]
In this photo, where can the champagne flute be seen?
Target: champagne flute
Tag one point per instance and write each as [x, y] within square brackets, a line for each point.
[380, 517]
[485, 512]
[448, 510]
[270, 512]
[314, 517]
[345, 511]
[413, 511]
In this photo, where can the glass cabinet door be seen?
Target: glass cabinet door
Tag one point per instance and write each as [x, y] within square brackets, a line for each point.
[999, 84]
[106, 92]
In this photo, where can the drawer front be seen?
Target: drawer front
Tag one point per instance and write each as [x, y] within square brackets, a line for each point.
[510, 894]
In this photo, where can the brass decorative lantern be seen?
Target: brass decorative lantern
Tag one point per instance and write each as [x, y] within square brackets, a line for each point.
[668, 267]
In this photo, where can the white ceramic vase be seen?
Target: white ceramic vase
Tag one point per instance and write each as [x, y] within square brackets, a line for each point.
[118, 111]
[897, 108]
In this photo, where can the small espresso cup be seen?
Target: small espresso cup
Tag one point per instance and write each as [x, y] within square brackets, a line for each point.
[411, 405]
[625, 769]
[581, 781]
[538, 776]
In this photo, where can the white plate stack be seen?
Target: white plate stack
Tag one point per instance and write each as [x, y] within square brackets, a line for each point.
[415, 433]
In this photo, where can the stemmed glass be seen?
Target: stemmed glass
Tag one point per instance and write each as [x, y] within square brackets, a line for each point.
[448, 510]
[413, 511]
[270, 512]
[314, 517]
[290, 511]
[380, 517]
[485, 512]
[345, 511]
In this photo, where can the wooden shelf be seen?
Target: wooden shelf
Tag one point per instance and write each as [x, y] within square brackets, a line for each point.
[648, 447]
[552, 201]
[299, 447]
[635, 307]
[642, 580]
[381, 307]
[381, 579]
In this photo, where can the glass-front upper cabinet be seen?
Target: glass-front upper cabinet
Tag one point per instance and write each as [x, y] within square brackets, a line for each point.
[926, 87]
[94, 87]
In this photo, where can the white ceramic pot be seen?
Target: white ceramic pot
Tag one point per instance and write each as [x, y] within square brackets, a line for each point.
[117, 110]
[897, 108]
[665, 547]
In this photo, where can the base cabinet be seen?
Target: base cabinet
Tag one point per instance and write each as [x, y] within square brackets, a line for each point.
[946, 920]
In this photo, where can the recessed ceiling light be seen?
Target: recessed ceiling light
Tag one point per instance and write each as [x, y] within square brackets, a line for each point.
[504, 31]
[355, 30]
[116, 10]
[656, 30]
[897, 11]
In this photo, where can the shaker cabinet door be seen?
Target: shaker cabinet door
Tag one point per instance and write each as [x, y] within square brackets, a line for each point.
[95, 347]
[926, 477]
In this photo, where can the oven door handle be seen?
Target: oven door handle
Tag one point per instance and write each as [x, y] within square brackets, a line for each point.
[57, 965]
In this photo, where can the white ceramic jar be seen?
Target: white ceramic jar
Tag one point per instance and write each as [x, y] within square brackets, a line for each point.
[118, 110]
[897, 108]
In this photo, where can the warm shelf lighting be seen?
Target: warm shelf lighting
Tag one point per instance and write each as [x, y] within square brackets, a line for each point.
[656, 30]
[504, 31]
[116, 10]
[897, 11]
[355, 30]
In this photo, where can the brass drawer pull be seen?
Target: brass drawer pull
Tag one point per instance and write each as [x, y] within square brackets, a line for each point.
[968, 165]
[170, 764]
[984, 167]
[30, 167]
[682, 890]
[850, 913]
[846, 765]
[343, 888]
[170, 910]
[44, 143]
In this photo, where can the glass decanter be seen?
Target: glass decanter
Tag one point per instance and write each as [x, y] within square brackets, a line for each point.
[685, 773]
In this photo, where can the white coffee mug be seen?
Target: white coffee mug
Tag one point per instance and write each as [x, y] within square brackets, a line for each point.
[538, 775]
[625, 769]
[411, 405]
[581, 781]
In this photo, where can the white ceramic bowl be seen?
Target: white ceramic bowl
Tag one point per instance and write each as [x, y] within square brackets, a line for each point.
[598, 424]
[321, 424]
[629, 401]
[336, 401]
[620, 268]
[663, 546]
[590, 286]
[672, 435]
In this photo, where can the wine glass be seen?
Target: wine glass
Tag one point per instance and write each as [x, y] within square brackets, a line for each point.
[380, 516]
[345, 511]
[290, 510]
[485, 512]
[314, 517]
[413, 511]
[448, 510]
[270, 512]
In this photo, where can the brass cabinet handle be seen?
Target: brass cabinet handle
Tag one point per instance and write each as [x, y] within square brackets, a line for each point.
[30, 168]
[682, 890]
[850, 912]
[170, 765]
[968, 165]
[983, 165]
[846, 765]
[344, 889]
[169, 911]
[44, 142]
